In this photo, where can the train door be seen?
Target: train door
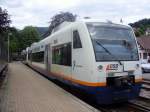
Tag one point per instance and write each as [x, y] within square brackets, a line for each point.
[76, 55]
[48, 57]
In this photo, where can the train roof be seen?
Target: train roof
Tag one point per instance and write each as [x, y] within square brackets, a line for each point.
[105, 23]
[67, 25]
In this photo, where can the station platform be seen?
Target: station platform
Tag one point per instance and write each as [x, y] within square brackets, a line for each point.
[24, 90]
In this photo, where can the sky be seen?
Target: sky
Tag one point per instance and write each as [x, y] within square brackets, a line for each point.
[40, 12]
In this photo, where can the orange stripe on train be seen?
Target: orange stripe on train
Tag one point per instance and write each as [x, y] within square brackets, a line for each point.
[79, 81]
[84, 82]
[139, 80]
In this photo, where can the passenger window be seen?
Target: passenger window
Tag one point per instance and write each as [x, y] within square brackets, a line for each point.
[38, 57]
[61, 55]
[76, 40]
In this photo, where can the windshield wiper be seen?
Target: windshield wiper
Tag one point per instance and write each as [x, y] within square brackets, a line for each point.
[107, 51]
[103, 47]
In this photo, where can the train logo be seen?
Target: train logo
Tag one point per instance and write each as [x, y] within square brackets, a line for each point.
[112, 67]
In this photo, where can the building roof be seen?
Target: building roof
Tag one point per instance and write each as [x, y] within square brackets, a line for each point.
[144, 42]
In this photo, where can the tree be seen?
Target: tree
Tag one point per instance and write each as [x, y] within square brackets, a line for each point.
[141, 26]
[58, 19]
[4, 24]
[140, 23]
[4, 20]
[28, 36]
[14, 40]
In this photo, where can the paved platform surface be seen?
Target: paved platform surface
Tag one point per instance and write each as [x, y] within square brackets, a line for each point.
[26, 91]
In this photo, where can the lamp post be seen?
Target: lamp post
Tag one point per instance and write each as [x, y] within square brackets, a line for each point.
[9, 34]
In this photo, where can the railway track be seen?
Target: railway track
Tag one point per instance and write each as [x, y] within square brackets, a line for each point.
[141, 104]
[128, 107]
[145, 90]
[146, 81]
[146, 84]
[138, 108]
[132, 106]
[146, 87]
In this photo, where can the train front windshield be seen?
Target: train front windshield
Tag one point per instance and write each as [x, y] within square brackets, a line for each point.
[113, 43]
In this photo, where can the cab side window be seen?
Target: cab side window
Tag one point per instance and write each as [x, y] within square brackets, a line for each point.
[76, 40]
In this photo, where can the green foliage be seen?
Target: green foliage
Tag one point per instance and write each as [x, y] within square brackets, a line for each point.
[27, 36]
[19, 40]
[141, 23]
[4, 20]
[138, 34]
[4, 25]
[141, 26]
[14, 40]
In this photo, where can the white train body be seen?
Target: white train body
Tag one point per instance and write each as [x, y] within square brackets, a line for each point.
[97, 57]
